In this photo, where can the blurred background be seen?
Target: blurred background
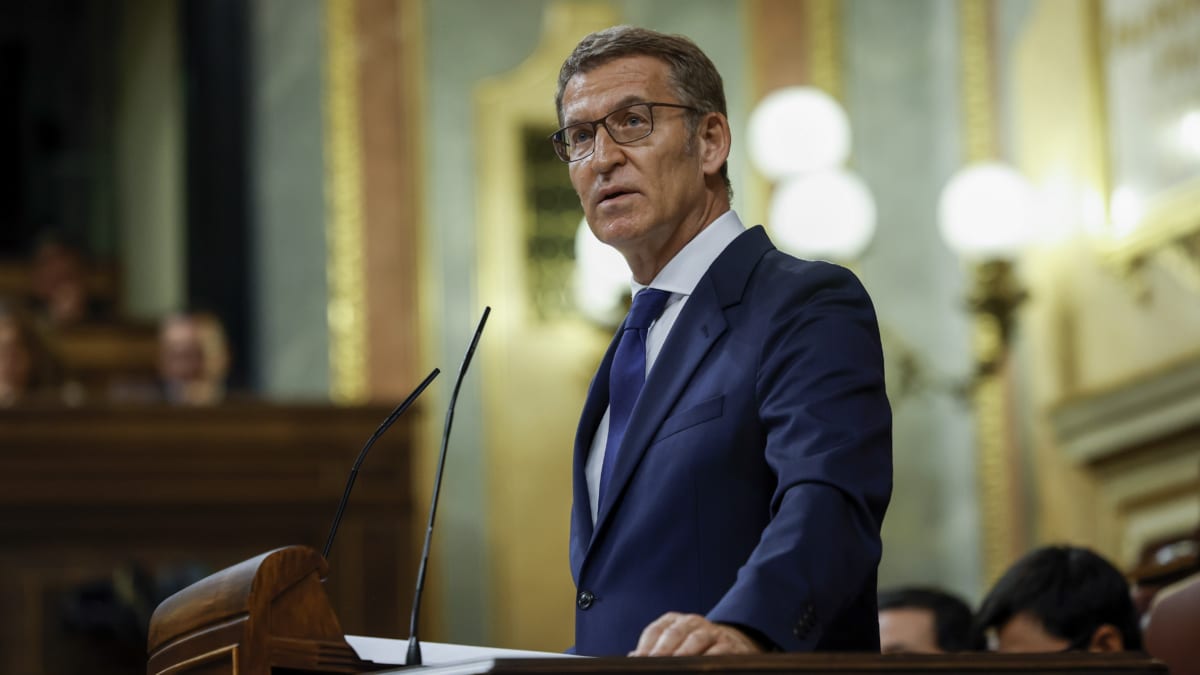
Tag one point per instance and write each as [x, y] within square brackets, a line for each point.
[233, 233]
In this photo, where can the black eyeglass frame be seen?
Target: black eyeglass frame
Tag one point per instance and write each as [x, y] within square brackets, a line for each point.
[561, 145]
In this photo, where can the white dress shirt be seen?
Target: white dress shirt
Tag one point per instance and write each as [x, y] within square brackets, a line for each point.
[679, 277]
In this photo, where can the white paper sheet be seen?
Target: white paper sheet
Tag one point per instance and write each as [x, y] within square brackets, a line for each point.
[393, 652]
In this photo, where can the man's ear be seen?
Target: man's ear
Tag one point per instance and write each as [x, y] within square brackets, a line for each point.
[715, 140]
[1107, 639]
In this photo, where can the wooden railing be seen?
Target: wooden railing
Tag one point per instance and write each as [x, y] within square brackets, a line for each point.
[90, 496]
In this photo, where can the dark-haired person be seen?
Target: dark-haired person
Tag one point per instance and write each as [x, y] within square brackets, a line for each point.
[924, 621]
[59, 283]
[1060, 598]
[733, 458]
[28, 371]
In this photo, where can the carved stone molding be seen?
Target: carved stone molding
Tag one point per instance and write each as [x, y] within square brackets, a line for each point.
[1098, 426]
[1140, 443]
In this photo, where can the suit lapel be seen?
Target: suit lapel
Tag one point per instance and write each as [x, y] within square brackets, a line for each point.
[589, 419]
[697, 328]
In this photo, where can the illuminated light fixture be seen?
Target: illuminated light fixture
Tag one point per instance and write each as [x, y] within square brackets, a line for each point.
[601, 280]
[1093, 212]
[829, 215]
[986, 211]
[1189, 132]
[1128, 207]
[797, 130]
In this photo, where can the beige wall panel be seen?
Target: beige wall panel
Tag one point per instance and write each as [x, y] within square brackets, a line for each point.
[1088, 330]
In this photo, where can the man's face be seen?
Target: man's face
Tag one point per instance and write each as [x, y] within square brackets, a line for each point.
[182, 351]
[1024, 633]
[908, 630]
[635, 196]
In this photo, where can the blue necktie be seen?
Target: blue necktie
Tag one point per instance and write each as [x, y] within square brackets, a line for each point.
[628, 374]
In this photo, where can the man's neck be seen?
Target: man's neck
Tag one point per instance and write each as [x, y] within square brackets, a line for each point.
[645, 268]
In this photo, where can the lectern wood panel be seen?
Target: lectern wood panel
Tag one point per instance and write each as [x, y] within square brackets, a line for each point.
[116, 498]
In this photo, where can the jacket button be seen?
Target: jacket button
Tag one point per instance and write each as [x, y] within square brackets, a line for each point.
[585, 599]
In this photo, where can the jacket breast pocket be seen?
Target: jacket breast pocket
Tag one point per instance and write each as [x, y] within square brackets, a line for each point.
[686, 419]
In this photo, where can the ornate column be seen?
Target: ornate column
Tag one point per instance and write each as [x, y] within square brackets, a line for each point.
[993, 299]
[372, 96]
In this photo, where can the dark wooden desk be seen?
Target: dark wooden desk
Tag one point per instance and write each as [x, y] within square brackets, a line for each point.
[1076, 663]
[86, 493]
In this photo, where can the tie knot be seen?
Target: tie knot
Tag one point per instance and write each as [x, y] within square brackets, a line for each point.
[648, 304]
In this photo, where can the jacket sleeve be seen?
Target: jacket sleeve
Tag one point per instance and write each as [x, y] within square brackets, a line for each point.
[827, 422]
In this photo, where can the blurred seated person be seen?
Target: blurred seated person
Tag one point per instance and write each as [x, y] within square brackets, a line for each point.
[1060, 598]
[193, 359]
[192, 363]
[27, 372]
[59, 283]
[924, 621]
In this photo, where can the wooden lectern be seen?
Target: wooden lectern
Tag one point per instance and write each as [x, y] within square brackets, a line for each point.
[268, 614]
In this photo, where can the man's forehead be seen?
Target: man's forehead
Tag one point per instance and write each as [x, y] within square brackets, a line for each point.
[622, 81]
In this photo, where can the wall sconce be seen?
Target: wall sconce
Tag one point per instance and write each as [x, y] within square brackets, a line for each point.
[799, 138]
[986, 216]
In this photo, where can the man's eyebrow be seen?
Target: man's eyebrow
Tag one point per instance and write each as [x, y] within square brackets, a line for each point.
[629, 100]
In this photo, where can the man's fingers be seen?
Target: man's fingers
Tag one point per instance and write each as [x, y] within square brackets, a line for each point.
[675, 634]
[650, 634]
[672, 636]
[722, 646]
[699, 641]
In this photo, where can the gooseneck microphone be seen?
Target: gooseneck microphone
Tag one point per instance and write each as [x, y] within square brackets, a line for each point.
[362, 455]
[414, 644]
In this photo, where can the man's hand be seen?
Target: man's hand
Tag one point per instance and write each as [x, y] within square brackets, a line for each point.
[675, 634]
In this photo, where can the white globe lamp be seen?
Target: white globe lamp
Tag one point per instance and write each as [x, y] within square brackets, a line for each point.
[829, 215]
[986, 211]
[797, 130]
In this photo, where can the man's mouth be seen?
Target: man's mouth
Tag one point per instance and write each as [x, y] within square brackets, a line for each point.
[615, 194]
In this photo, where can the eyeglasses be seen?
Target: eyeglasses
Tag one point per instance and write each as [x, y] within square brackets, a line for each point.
[625, 125]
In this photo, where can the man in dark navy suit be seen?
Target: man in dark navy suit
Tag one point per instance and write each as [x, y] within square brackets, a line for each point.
[733, 459]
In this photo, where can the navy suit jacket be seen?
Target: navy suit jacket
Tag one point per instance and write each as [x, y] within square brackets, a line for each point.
[755, 471]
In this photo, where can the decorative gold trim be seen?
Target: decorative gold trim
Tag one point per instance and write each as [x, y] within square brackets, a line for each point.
[1172, 221]
[994, 458]
[975, 43]
[201, 658]
[1096, 57]
[825, 45]
[994, 471]
[344, 265]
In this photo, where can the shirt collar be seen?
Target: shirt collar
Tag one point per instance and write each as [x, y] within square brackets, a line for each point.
[683, 272]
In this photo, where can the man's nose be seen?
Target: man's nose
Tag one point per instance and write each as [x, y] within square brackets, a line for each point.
[606, 153]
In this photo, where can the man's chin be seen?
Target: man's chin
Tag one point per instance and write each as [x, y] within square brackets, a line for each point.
[617, 233]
